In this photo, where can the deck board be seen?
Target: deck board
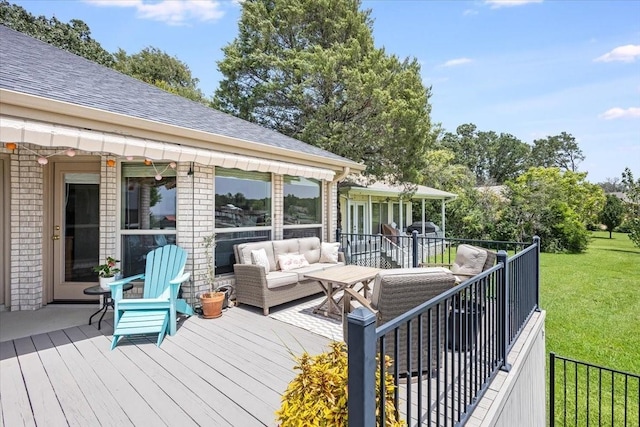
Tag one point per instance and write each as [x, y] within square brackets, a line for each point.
[161, 403]
[43, 399]
[105, 406]
[14, 398]
[76, 407]
[229, 371]
[130, 401]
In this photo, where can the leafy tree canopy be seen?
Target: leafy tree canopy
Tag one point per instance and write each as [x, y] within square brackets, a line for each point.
[309, 69]
[611, 185]
[612, 213]
[632, 191]
[492, 158]
[158, 68]
[150, 64]
[74, 36]
[553, 204]
[560, 151]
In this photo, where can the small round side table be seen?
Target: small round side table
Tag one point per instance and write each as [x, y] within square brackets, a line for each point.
[108, 301]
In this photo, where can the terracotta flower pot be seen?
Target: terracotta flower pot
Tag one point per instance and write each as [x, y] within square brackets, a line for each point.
[212, 304]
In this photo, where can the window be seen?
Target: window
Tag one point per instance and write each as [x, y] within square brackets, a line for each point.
[376, 218]
[243, 199]
[302, 207]
[242, 212]
[148, 213]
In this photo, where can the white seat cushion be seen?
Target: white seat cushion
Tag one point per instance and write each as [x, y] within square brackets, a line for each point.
[276, 279]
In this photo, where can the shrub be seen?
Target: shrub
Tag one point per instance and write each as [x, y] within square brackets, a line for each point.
[317, 396]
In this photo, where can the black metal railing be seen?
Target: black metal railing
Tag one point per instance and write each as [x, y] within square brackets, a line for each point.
[391, 251]
[584, 394]
[454, 344]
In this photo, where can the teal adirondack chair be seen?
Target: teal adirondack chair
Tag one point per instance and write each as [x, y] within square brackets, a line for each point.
[155, 312]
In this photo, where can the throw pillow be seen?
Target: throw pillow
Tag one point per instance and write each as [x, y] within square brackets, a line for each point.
[259, 257]
[292, 261]
[469, 260]
[329, 252]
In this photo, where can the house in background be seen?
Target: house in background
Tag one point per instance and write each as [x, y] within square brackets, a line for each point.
[94, 163]
[365, 208]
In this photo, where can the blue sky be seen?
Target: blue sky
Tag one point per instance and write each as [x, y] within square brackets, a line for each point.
[531, 68]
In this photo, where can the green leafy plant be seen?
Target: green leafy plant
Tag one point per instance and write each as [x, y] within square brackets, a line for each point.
[108, 269]
[318, 395]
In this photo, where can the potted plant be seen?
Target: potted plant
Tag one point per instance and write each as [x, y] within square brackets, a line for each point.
[213, 300]
[107, 272]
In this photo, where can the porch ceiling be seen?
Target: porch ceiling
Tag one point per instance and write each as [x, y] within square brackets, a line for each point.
[52, 135]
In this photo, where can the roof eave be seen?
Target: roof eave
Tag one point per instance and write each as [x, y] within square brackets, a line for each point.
[49, 110]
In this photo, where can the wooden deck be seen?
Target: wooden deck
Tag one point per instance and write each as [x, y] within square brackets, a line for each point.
[229, 371]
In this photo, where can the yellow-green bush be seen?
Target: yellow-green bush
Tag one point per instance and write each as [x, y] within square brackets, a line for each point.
[317, 396]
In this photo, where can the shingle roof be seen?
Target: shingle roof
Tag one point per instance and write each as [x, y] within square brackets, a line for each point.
[30, 66]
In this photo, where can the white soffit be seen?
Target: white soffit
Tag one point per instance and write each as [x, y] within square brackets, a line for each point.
[51, 135]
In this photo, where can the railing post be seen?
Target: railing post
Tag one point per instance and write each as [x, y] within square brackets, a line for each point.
[504, 321]
[536, 241]
[414, 238]
[552, 389]
[361, 345]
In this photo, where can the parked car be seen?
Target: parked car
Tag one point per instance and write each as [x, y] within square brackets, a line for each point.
[429, 227]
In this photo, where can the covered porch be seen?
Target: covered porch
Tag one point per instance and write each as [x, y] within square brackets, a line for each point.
[365, 208]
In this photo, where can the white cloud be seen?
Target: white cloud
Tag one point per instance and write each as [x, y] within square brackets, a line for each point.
[456, 62]
[172, 12]
[496, 4]
[470, 12]
[621, 113]
[627, 53]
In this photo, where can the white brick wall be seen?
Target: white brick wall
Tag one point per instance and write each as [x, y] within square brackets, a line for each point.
[27, 222]
[278, 207]
[195, 220]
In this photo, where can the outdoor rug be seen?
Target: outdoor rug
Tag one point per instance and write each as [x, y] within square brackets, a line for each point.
[300, 313]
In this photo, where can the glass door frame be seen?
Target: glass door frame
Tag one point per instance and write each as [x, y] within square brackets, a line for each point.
[51, 256]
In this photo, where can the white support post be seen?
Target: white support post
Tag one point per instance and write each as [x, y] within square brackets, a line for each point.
[444, 232]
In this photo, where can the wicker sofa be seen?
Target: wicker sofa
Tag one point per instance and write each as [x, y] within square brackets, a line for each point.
[267, 283]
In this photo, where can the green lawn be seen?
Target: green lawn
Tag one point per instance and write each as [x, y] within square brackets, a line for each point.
[593, 303]
[593, 315]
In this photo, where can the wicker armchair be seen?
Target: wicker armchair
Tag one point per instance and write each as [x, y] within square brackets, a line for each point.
[395, 292]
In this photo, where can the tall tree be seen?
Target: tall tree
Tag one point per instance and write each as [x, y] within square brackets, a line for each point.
[309, 69]
[611, 185]
[158, 68]
[492, 158]
[632, 191]
[560, 151]
[150, 64]
[74, 36]
[612, 213]
[553, 204]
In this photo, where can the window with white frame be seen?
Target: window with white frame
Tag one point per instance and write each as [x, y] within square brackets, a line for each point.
[147, 212]
[243, 212]
[302, 207]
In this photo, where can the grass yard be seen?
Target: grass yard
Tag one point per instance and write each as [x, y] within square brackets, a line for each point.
[593, 303]
[593, 315]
